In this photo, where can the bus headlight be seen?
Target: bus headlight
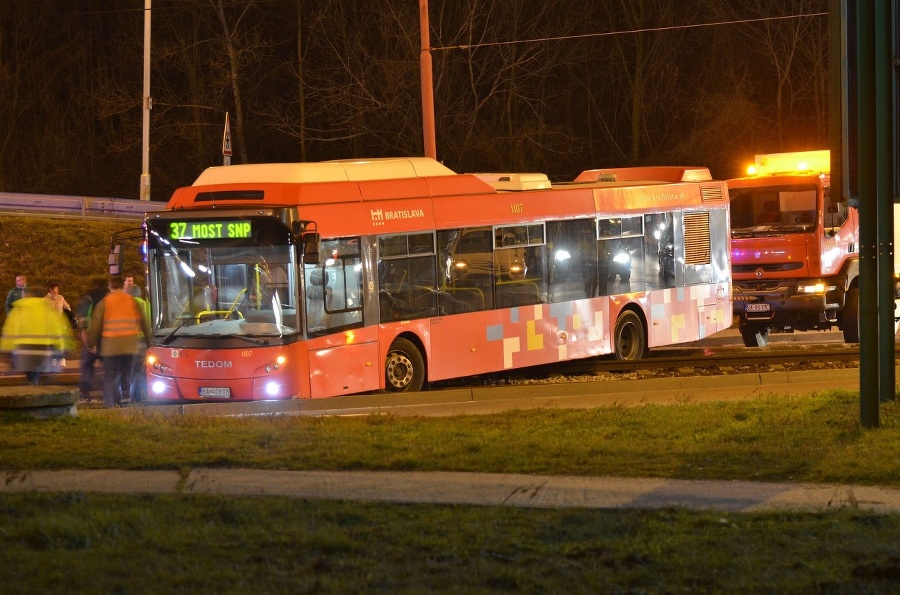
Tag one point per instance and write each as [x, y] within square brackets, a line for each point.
[272, 389]
[158, 387]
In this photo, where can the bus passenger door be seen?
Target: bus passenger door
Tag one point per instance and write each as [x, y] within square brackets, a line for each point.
[345, 367]
[343, 354]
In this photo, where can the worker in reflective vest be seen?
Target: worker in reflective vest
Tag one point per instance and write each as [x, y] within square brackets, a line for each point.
[37, 335]
[118, 327]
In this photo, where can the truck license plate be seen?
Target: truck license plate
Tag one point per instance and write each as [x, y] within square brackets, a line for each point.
[763, 307]
[218, 392]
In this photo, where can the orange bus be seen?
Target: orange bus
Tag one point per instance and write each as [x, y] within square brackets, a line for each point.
[309, 280]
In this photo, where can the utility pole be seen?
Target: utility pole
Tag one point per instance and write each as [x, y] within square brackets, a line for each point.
[148, 105]
[427, 85]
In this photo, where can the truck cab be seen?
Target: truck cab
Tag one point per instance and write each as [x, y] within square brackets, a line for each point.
[794, 249]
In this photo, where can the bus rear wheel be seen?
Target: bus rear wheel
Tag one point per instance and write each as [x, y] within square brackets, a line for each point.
[404, 369]
[629, 337]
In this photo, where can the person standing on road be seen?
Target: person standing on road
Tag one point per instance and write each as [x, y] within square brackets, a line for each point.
[138, 388]
[16, 293]
[62, 306]
[36, 335]
[115, 331]
[86, 306]
[56, 300]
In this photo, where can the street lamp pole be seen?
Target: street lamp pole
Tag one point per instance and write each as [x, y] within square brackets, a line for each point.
[148, 105]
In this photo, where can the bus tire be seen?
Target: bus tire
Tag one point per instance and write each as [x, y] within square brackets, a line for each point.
[629, 337]
[850, 316]
[404, 368]
[754, 335]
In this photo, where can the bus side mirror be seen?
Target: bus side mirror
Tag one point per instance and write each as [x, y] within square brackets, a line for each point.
[310, 243]
[115, 260]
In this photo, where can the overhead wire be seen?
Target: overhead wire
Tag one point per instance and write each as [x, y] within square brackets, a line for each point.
[628, 32]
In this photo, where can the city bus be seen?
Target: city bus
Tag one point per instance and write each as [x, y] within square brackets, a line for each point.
[310, 280]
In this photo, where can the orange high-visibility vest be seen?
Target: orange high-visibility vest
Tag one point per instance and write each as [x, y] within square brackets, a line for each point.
[121, 317]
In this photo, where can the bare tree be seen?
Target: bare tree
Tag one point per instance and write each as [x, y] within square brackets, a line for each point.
[497, 87]
[40, 129]
[792, 36]
[519, 84]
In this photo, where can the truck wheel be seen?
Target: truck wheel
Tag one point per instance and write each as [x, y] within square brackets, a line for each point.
[629, 337]
[404, 369]
[850, 317]
[754, 335]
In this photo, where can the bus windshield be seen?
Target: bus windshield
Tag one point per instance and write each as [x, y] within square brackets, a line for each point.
[224, 291]
[765, 210]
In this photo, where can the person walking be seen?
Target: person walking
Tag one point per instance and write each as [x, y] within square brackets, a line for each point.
[58, 301]
[16, 292]
[60, 304]
[138, 388]
[89, 357]
[115, 332]
[37, 336]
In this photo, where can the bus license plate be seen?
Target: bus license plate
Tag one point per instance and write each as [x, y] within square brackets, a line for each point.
[218, 392]
[764, 307]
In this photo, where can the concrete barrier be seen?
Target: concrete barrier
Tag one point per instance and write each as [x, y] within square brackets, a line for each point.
[43, 402]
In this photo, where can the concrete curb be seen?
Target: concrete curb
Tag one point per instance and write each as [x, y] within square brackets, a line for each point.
[39, 401]
[479, 489]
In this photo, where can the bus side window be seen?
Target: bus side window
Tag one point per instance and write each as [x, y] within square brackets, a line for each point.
[342, 283]
[466, 270]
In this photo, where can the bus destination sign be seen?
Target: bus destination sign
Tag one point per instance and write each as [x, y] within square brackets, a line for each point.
[209, 230]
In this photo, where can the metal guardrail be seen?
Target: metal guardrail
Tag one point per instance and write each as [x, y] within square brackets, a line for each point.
[80, 207]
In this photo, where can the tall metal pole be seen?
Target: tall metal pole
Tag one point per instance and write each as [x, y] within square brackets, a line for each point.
[884, 206]
[148, 105]
[868, 216]
[427, 86]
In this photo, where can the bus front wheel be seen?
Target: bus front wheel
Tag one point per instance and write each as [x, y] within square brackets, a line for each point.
[404, 369]
[629, 337]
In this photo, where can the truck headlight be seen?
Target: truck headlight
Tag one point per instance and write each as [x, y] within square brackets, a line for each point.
[813, 288]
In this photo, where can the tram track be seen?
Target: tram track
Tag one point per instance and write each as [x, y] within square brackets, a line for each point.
[674, 363]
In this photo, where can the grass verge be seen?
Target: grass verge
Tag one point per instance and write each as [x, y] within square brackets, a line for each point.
[99, 543]
[74, 543]
[815, 438]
